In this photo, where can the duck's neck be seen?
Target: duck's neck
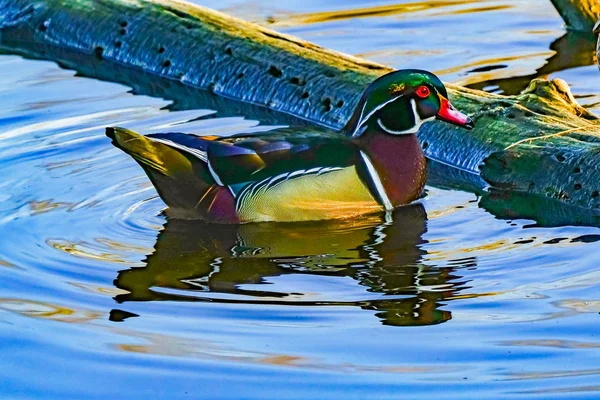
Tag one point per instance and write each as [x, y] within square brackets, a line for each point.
[398, 161]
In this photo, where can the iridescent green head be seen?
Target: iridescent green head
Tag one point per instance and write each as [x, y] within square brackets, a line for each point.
[399, 102]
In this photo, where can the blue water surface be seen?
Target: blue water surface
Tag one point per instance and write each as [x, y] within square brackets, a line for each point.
[102, 298]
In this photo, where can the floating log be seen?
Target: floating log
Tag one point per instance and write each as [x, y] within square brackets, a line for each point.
[195, 47]
[579, 15]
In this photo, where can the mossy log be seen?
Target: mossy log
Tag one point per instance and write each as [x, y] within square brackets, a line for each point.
[538, 142]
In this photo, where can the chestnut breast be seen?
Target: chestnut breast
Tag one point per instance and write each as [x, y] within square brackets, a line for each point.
[400, 163]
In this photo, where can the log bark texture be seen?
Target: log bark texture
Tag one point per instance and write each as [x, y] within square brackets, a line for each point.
[539, 142]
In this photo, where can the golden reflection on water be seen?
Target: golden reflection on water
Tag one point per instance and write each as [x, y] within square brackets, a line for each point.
[157, 344]
[95, 289]
[569, 51]
[44, 310]
[553, 343]
[500, 245]
[580, 306]
[6, 264]
[191, 348]
[493, 74]
[474, 10]
[87, 250]
[43, 206]
[574, 389]
[376, 11]
[551, 374]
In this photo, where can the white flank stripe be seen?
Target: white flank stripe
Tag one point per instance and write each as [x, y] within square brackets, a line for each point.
[214, 174]
[377, 182]
[195, 152]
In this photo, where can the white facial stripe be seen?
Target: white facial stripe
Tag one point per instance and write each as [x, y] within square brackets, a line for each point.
[387, 204]
[418, 120]
[365, 119]
[414, 129]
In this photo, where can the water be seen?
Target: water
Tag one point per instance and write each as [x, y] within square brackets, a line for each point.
[101, 297]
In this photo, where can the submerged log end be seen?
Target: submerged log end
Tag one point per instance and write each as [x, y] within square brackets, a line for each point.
[563, 164]
[560, 174]
[546, 96]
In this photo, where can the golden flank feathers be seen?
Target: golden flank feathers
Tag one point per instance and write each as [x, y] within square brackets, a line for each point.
[338, 194]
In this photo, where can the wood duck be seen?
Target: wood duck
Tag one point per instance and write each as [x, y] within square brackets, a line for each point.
[374, 165]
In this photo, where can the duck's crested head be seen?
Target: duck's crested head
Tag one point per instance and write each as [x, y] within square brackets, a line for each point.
[399, 102]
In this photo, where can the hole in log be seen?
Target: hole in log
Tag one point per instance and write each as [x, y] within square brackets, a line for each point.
[123, 32]
[240, 75]
[297, 81]
[577, 186]
[123, 24]
[305, 95]
[161, 50]
[577, 170]
[118, 44]
[98, 52]
[560, 158]
[511, 115]
[43, 27]
[425, 145]
[528, 114]
[228, 51]
[339, 103]
[166, 64]
[276, 72]
[327, 104]
[595, 194]
[329, 74]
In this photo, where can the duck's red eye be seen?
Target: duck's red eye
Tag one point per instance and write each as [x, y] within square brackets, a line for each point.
[423, 91]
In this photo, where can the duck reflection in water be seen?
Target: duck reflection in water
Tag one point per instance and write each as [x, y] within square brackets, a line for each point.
[382, 253]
